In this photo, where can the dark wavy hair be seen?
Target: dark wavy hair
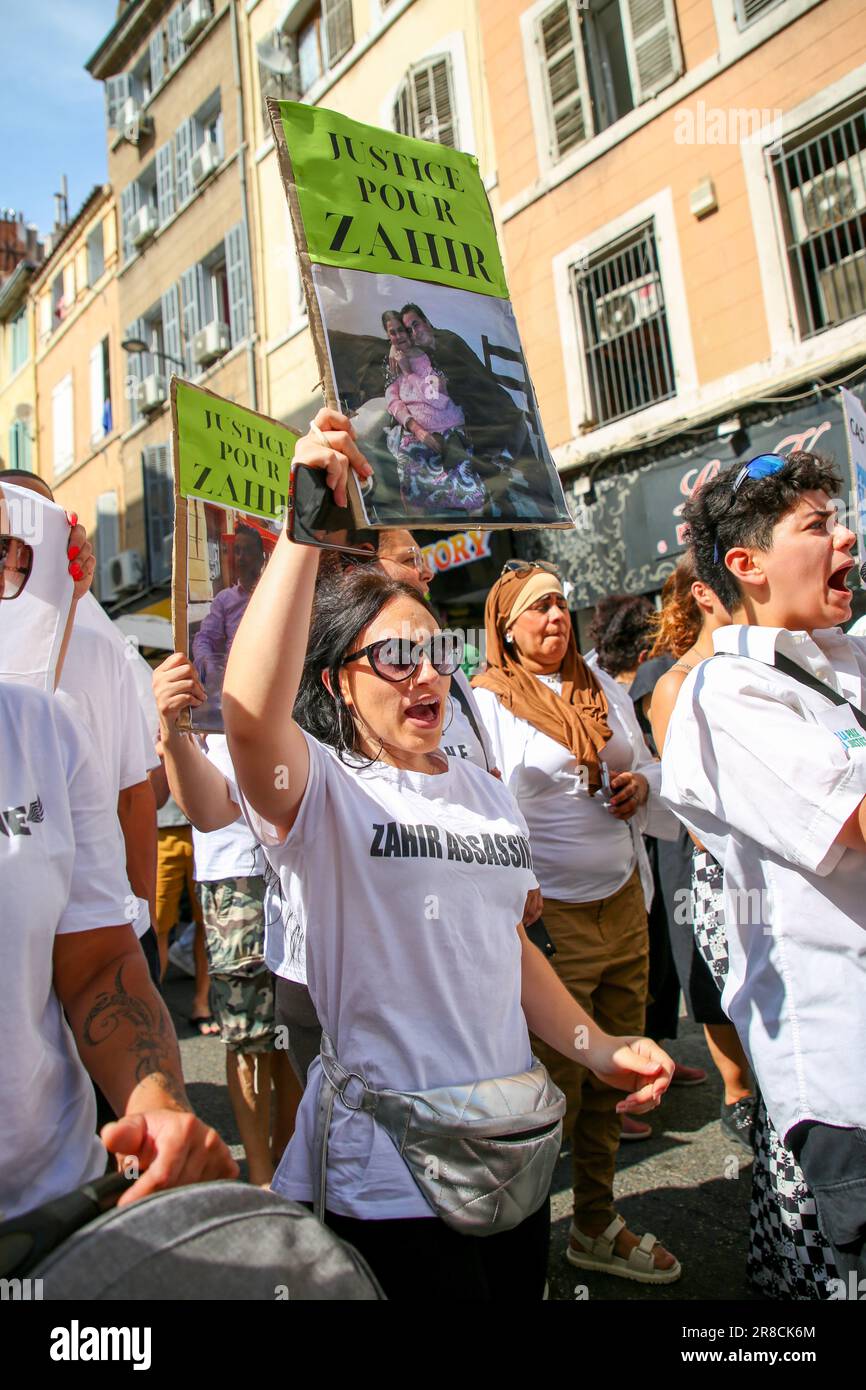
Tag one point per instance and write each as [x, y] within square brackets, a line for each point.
[678, 625]
[621, 631]
[345, 603]
[719, 519]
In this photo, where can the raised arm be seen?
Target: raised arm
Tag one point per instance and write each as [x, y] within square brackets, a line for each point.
[267, 656]
[198, 787]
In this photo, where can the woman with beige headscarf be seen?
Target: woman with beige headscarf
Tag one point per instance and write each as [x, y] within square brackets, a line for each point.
[570, 748]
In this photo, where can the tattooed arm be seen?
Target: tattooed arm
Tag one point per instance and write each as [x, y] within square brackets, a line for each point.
[126, 1040]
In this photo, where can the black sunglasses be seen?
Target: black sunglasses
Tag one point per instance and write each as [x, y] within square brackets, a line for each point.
[16, 562]
[396, 658]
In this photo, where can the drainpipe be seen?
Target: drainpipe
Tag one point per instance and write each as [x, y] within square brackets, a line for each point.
[245, 216]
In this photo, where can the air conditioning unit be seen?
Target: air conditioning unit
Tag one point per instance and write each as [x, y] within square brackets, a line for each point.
[829, 198]
[843, 289]
[151, 393]
[626, 308]
[195, 17]
[210, 343]
[142, 225]
[125, 571]
[132, 122]
[204, 161]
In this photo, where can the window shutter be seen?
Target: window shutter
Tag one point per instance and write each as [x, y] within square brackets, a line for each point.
[192, 310]
[339, 30]
[134, 369]
[157, 60]
[183, 151]
[655, 58]
[19, 445]
[433, 97]
[175, 45]
[164, 183]
[158, 510]
[117, 89]
[107, 538]
[238, 275]
[171, 328]
[564, 68]
[63, 422]
[97, 394]
[129, 203]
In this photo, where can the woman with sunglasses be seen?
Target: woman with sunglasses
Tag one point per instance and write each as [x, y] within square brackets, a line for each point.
[76, 996]
[570, 749]
[408, 873]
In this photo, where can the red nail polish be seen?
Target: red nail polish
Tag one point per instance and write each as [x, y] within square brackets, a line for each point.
[73, 518]
[73, 551]
[77, 572]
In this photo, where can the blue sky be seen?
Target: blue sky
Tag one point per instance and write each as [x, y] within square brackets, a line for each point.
[51, 111]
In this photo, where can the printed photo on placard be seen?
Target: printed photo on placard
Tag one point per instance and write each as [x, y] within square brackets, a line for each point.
[435, 383]
[414, 331]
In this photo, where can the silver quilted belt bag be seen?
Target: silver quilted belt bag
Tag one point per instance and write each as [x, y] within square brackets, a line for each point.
[482, 1154]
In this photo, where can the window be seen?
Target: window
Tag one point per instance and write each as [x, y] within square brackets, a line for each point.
[101, 421]
[19, 445]
[158, 510]
[58, 302]
[95, 254]
[217, 290]
[62, 423]
[117, 90]
[291, 61]
[208, 124]
[425, 103]
[600, 59]
[821, 183]
[748, 11]
[19, 340]
[134, 369]
[623, 326]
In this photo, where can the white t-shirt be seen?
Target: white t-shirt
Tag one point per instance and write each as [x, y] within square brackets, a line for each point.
[233, 851]
[98, 689]
[58, 873]
[409, 888]
[459, 739]
[753, 767]
[581, 852]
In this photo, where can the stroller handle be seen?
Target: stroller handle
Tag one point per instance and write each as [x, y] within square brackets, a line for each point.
[28, 1238]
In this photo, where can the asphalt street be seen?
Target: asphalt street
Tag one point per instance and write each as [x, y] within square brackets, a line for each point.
[689, 1185]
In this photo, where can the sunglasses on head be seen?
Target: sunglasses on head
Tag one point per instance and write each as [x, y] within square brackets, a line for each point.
[762, 466]
[396, 658]
[16, 562]
[517, 566]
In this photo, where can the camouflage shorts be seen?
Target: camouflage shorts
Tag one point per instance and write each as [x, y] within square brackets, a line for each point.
[242, 986]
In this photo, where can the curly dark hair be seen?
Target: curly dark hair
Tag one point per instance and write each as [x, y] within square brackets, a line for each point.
[719, 519]
[345, 603]
[677, 626]
[621, 630]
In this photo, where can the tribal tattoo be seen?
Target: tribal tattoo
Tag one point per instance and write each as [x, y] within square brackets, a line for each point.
[152, 1040]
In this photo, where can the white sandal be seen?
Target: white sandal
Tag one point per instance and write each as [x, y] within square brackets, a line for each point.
[598, 1254]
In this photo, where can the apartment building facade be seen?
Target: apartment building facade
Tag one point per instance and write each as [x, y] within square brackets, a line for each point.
[79, 374]
[683, 209]
[175, 121]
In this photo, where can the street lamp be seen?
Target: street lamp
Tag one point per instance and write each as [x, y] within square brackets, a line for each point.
[135, 346]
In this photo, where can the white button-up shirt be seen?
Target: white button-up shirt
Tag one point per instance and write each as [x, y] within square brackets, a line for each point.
[756, 766]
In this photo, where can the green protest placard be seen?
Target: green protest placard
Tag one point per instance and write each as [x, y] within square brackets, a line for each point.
[378, 201]
[415, 335]
[231, 477]
[230, 455]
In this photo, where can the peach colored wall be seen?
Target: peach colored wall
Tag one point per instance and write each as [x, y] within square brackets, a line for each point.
[719, 253]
